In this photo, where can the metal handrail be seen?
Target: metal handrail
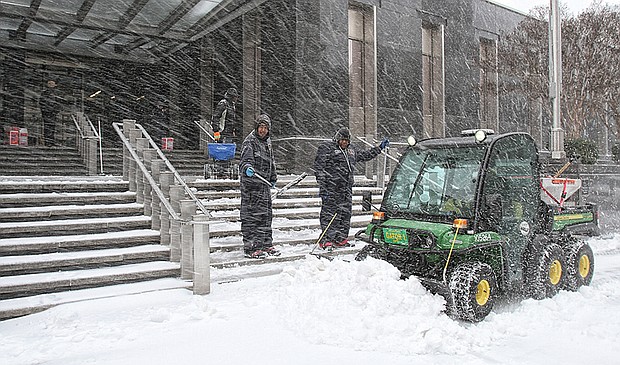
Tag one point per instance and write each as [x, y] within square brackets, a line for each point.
[146, 173]
[301, 138]
[174, 172]
[204, 130]
[96, 135]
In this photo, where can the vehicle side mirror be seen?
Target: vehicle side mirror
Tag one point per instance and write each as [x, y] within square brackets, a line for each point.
[494, 209]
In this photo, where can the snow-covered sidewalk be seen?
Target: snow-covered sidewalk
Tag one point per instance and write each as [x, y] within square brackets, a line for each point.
[321, 312]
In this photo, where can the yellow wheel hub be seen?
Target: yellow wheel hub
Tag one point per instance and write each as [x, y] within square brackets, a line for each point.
[483, 292]
[584, 266]
[555, 272]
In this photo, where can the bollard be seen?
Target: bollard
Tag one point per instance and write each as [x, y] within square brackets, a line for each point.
[176, 195]
[188, 210]
[166, 179]
[202, 256]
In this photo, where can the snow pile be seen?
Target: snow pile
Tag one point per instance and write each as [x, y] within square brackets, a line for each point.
[364, 306]
[321, 312]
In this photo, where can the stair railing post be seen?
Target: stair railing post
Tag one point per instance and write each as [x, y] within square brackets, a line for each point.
[202, 256]
[381, 167]
[134, 134]
[142, 144]
[166, 180]
[91, 155]
[149, 156]
[176, 195]
[370, 165]
[157, 166]
[128, 124]
[188, 210]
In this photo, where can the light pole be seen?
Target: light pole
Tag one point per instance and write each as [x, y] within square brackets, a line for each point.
[555, 79]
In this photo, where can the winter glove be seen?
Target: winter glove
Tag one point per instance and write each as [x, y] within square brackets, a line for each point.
[216, 136]
[249, 172]
[384, 143]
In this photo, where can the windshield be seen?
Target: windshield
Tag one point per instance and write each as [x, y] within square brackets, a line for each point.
[440, 182]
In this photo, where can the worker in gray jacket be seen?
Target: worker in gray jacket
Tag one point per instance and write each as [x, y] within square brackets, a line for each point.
[256, 211]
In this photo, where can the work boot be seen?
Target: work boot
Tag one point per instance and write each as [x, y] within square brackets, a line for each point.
[255, 254]
[326, 245]
[271, 251]
[343, 243]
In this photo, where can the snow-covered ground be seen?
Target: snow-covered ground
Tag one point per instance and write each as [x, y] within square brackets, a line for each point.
[321, 312]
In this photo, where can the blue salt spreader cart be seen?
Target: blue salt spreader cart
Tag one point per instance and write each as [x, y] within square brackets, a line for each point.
[221, 164]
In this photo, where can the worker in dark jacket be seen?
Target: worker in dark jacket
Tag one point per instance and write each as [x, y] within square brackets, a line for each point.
[50, 103]
[334, 166]
[224, 119]
[256, 215]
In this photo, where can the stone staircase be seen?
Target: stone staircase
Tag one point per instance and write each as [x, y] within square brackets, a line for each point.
[66, 236]
[186, 162]
[62, 237]
[48, 161]
[66, 161]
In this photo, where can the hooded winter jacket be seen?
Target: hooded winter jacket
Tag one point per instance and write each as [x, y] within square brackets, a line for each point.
[334, 167]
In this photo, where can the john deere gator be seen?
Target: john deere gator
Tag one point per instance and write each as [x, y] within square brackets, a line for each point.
[468, 216]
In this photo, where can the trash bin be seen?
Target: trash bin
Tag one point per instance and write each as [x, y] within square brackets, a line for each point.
[167, 143]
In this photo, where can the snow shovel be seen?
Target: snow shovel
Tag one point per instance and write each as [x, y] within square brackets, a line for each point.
[296, 181]
[284, 188]
[321, 237]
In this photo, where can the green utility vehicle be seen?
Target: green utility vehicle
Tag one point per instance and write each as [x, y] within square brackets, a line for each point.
[467, 216]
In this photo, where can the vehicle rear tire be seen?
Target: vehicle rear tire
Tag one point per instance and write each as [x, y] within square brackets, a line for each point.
[473, 288]
[549, 272]
[579, 265]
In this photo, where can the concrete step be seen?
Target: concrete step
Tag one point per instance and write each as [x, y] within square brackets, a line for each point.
[73, 226]
[291, 213]
[50, 184]
[235, 203]
[283, 225]
[291, 193]
[30, 264]
[16, 307]
[50, 282]
[41, 199]
[50, 244]
[34, 213]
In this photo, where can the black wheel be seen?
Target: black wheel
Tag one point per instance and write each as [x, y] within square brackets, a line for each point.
[368, 250]
[473, 288]
[579, 265]
[548, 272]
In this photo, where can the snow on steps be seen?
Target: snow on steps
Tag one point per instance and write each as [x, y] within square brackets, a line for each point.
[16, 307]
[58, 246]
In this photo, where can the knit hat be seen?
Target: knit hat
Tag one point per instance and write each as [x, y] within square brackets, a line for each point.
[343, 133]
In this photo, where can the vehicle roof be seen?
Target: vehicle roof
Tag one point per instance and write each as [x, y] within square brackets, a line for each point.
[463, 141]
